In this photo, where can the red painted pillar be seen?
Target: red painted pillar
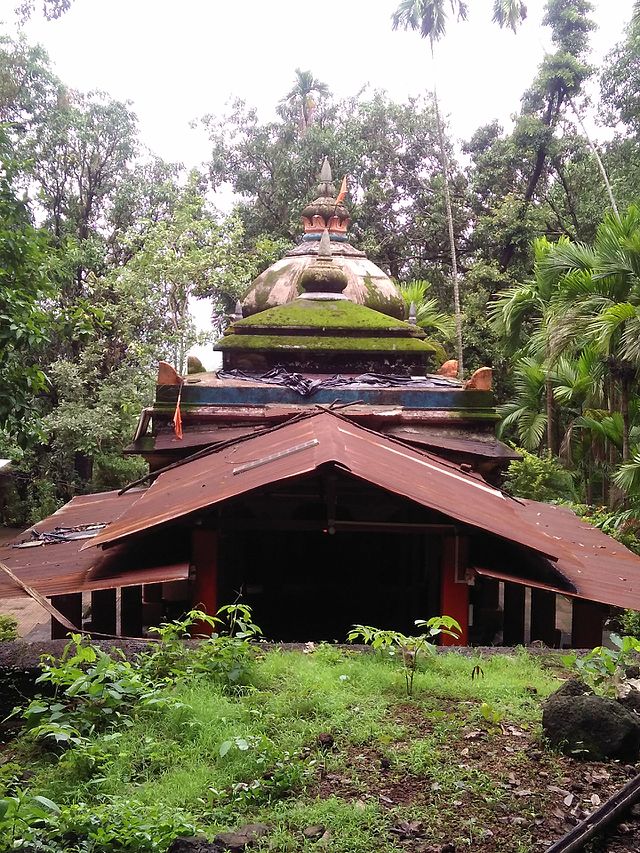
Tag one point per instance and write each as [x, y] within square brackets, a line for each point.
[454, 592]
[204, 557]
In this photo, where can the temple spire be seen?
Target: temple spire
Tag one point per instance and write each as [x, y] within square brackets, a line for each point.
[326, 188]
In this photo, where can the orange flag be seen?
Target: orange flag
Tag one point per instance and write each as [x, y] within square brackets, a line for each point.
[343, 191]
[177, 416]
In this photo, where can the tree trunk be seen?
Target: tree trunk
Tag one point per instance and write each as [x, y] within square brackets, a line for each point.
[552, 434]
[595, 153]
[625, 387]
[444, 160]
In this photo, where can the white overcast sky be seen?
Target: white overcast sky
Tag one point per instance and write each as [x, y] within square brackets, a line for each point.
[176, 61]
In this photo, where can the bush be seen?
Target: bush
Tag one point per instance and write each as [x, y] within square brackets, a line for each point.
[539, 478]
[8, 628]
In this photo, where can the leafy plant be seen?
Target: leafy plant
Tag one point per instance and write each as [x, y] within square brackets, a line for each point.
[114, 825]
[411, 648]
[604, 669]
[8, 628]
[21, 813]
[92, 691]
[225, 656]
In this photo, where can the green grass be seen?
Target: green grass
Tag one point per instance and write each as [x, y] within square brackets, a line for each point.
[171, 758]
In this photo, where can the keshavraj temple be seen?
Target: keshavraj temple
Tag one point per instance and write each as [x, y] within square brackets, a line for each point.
[328, 474]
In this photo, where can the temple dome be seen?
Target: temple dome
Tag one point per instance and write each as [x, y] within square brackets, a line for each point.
[366, 283]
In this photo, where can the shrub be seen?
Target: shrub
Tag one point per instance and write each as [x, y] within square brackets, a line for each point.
[8, 628]
[539, 478]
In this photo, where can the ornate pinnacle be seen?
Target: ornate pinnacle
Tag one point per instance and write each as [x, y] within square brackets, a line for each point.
[326, 188]
[324, 249]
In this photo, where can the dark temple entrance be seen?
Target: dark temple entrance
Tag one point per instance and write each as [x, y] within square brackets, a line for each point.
[315, 585]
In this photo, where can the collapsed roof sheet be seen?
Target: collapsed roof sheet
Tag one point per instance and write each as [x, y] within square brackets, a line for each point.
[60, 567]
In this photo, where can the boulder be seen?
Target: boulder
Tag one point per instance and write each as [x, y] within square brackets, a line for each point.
[192, 844]
[631, 701]
[590, 727]
[241, 838]
[224, 842]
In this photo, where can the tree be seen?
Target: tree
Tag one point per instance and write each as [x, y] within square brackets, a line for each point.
[389, 151]
[302, 97]
[598, 300]
[24, 283]
[430, 17]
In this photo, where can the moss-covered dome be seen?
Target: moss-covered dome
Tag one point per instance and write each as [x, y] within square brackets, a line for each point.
[366, 284]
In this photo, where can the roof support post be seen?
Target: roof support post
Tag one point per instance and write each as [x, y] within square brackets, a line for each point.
[103, 611]
[69, 605]
[587, 618]
[131, 611]
[543, 617]
[454, 592]
[514, 611]
[204, 557]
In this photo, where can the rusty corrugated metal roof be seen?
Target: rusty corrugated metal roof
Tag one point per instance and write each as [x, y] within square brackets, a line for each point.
[59, 568]
[299, 448]
[600, 568]
[492, 449]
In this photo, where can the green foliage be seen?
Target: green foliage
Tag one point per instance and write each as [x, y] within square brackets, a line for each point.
[8, 628]
[224, 657]
[539, 478]
[24, 282]
[604, 669]
[112, 826]
[630, 623]
[410, 648]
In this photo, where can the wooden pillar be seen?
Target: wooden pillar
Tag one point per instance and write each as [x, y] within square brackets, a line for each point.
[454, 592]
[204, 557]
[103, 611]
[587, 618]
[543, 617]
[131, 611]
[513, 619]
[69, 605]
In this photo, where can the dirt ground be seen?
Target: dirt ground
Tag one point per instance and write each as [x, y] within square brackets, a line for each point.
[532, 795]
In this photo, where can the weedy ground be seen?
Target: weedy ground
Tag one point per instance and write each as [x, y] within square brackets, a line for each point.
[326, 742]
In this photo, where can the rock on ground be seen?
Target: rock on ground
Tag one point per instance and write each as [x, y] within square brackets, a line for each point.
[590, 727]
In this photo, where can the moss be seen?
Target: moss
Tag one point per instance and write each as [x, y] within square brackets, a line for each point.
[314, 343]
[316, 314]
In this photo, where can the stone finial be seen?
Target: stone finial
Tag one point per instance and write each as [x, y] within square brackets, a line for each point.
[323, 279]
[324, 249]
[237, 313]
[326, 188]
[413, 314]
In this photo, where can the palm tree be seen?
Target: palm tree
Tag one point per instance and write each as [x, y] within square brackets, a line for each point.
[520, 315]
[429, 17]
[598, 300]
[526, 412]
[427, 312]
[303, 96]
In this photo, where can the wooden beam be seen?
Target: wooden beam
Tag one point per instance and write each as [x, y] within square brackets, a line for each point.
[587, 618]
[131, 611]
[103, 611]
[204, 557]
[543, 617]
[514, 615]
